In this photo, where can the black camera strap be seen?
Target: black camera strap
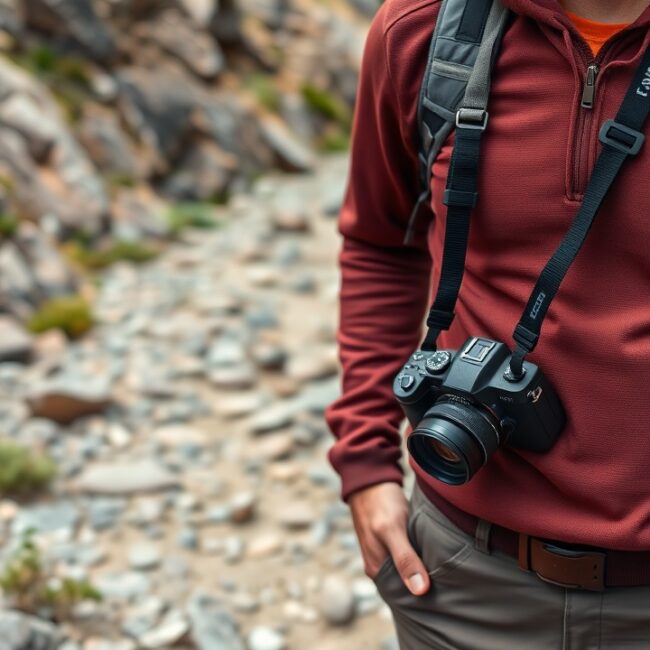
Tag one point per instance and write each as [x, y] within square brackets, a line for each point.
[621, 138]
[460, 196]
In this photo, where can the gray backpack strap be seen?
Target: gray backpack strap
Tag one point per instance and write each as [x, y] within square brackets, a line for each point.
[456, 82]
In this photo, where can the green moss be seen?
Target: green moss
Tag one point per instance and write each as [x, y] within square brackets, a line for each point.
[22, 471]
[8, 225]
[72, 314]
[327, 104]
[40, 59]
[265, 90]
[336, 140]
[30, 586]
[50, 66]
[191, 215]
[95, 259]
[67, 77]
[8, 184]
[71, 102]
[120, 179]
[74, 70]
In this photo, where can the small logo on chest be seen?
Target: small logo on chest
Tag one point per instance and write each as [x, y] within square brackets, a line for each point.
[644, 88]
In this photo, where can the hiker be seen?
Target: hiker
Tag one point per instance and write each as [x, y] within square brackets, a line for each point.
[499, 170]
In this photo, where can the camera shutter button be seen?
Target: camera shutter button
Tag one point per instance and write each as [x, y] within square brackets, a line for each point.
[406, 382]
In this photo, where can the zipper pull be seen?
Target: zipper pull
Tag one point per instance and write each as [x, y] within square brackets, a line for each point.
[589, 89]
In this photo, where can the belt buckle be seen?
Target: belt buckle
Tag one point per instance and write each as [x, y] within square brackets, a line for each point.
[571, 568]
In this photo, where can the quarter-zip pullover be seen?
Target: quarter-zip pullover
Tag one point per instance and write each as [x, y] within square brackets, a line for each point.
[538, 152]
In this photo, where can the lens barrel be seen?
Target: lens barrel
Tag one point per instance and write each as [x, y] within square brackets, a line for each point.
[453, 441]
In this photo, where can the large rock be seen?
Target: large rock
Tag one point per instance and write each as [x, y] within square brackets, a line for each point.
[50, 173]
[139, 214]
[107, 145]
[10, 21]
[51, 272]
[213, 627]
[17, 284]
[74, 19]
[226, 21]
[198, 51]
[204, 173]
[234, 127]
[47, 518]
[65, 399]
[292, 154]
[157, 105]
[125, 478]
[202, 12]
[15, 343]
[22, 632]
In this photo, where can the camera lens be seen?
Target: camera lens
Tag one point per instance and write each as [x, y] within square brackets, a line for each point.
[444, 452]
[453, 441]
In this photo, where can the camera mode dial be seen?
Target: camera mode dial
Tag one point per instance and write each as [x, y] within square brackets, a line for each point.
[439, 361]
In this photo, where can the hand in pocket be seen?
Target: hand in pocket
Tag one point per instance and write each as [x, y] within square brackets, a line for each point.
[380, 516]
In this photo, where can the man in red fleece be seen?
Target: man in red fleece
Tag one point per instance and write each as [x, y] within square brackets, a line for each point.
[445, 561]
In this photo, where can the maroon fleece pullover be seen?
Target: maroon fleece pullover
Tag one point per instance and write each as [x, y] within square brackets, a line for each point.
[538, 152]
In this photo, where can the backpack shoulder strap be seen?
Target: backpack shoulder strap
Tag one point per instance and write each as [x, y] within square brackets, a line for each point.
[457, 76]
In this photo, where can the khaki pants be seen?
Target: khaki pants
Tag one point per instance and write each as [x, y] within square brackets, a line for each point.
[483, 601]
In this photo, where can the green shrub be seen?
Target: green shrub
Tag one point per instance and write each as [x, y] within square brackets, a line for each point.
[23, 472]
[191, 215]
[49, 65]
[40, 59]
[72, 314]
[8, 225]
[119, 251]
[29, 587]
[327, 104]
[120, 179]
[266, 91]
[334, 140]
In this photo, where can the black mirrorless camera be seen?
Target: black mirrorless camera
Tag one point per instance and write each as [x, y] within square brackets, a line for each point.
[464, 405]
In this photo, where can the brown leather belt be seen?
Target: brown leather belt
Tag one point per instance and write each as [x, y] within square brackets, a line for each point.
[559, 563]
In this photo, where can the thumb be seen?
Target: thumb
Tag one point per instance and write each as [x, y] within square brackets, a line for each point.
[409, 565]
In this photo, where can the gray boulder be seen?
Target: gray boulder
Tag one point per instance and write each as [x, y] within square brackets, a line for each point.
[205, 172]
[15, 343]
[157, 105]
[74, 19]
[213, 627]
[50, 172]
[21, 632]
[197, 50]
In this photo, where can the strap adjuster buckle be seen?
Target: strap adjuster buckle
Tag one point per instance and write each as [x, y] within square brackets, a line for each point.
[621, 137]
[472, 118]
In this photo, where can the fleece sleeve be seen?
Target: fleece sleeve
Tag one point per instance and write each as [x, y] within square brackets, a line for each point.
[384, 284]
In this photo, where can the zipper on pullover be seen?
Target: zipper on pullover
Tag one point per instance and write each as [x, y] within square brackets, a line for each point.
[584, 132]
[589, 88]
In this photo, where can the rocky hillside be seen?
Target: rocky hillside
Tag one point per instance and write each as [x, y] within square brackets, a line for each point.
[116, 115]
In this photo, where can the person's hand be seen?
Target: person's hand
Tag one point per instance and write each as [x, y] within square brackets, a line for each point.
[380, 515]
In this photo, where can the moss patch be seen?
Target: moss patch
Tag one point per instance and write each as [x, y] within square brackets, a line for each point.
[327, 105]
[30, 586]
[71, 314]
[265, 90]
[23, 472]
[8, 225]
[95, 259]
[191, 215]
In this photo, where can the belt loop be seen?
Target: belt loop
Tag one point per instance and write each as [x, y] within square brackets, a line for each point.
[482, 536]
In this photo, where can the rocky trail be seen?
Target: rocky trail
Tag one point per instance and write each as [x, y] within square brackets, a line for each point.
[194, 491]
